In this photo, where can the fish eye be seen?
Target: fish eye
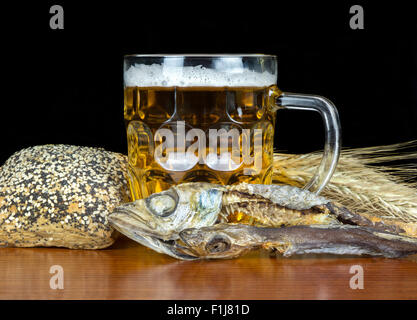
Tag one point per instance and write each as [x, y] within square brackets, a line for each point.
[162, 204]
[218, 244]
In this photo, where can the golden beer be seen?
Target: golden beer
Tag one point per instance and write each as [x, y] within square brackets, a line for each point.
[148, 109]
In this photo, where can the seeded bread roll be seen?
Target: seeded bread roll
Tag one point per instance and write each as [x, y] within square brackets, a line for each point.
[60, 195]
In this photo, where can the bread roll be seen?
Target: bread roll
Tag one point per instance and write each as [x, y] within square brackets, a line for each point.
[60, 195]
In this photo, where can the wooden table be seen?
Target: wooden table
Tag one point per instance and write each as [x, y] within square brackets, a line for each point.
[129, 271]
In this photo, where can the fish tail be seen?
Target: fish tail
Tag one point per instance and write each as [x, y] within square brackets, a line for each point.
[346, 216]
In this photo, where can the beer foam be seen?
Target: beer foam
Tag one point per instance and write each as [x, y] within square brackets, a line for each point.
[157, 75]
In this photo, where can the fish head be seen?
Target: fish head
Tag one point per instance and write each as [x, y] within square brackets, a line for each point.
[165, 214]
[223, 240]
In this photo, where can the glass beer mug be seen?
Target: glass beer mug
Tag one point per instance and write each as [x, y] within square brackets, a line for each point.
[211, 118]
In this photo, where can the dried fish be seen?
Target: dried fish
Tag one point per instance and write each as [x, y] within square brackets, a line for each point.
[278, 206]
[158, 220]
[232, 240]
[165, 214]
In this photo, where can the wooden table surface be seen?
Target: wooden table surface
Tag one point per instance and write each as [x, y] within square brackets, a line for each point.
[130, 271]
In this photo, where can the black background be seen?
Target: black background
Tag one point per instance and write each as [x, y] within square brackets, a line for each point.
[65, 86]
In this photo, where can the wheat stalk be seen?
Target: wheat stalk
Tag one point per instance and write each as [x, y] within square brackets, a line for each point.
[362, 181]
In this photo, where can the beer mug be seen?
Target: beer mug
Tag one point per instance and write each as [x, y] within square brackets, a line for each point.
[211, 118]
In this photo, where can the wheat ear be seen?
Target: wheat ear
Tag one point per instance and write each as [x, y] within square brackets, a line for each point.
[363, 181]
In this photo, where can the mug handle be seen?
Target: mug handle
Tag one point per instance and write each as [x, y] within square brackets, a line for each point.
[328, 111]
